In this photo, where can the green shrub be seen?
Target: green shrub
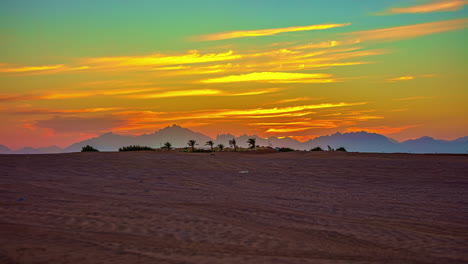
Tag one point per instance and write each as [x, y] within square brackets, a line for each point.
[341, 149]
[88, 148]
[136, 148]
[317, 149]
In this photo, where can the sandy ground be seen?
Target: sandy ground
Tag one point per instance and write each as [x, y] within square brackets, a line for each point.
[147, 207]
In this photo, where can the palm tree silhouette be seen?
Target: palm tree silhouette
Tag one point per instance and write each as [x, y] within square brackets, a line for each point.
[233, 144]
[210, 143]
[167, 146]
[251, 142]
[221, 147]
[192, 144]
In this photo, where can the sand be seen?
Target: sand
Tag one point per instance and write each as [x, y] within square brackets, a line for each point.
[301, 207]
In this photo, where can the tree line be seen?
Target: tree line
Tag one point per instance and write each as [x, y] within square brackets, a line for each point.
[192, 143]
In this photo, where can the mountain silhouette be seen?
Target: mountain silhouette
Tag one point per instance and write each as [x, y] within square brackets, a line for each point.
[179, 136]
[4, 149]
[356, 142]
[176, 135]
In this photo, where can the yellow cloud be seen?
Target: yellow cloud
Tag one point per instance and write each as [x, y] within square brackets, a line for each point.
[286, 130]
[435, 6]
[272, 77]
[160, 59]
[293, 100]
[265, 32]
[199, 92]
[403, 78]
[411, 31]
[413, 98]
[272, 111]
[31, 68]
[181, 93]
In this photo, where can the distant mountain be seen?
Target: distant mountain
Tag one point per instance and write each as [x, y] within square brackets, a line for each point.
[431, 145]
[356, 142]
[178, 137]
[4, 149]
[461, 140]
[47, 150]
[105, 142]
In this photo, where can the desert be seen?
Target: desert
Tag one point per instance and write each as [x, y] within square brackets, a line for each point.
[226, 207]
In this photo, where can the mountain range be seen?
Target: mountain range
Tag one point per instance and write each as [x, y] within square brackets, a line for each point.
[178, 137]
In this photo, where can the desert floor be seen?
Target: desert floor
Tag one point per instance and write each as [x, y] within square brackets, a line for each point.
[301, 207]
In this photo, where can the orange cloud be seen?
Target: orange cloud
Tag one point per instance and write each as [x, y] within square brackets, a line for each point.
[411, 31]
[148, 117]
[300, 126]
[265, 32]
[70, 95]
[68, 111]
[303, 138]
[385, 130]
[200, 92]
[272, 77]
[434, 6]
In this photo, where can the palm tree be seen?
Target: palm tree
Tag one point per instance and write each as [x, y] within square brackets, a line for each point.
[167, 146]
[192, 144]
[233, 144]
[251, 142]
[210, 143]
[221, 147]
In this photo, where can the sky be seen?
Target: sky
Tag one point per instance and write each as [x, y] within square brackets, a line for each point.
[72, 70]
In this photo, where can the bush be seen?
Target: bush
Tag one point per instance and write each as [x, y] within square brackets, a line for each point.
[341, 149]
[136, 148]
[285, 149]
[88, 148]
[317, 149]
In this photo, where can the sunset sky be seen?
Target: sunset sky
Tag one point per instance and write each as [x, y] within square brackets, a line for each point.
[71, 70]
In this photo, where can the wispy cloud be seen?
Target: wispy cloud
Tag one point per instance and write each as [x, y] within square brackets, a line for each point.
[192, 57]
[264, 32]
[327, 44]
[135, 119]
[72, 94]
[40, 111]
[410, 77]
[68, 124]
[434, 6]
[200, 92]
[411, 31]
[287, 129]
[30, 68]
[413, 98]
[274, 77]
[403, 78]
[293, 100]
